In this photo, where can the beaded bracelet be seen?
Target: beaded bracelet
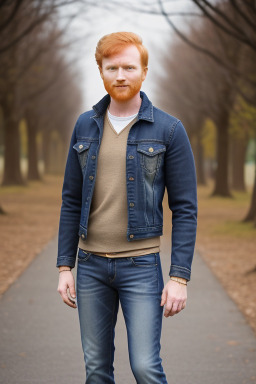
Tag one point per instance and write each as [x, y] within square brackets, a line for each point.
[178, 280]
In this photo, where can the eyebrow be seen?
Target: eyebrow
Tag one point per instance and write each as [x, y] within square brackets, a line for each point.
[125, 65]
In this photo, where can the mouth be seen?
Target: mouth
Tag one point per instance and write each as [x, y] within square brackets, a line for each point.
[121, 86]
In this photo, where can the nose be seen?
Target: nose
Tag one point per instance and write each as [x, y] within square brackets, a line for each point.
[120, 74]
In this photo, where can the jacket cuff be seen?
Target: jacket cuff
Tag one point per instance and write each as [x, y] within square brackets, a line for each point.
[67, 261]
[179, 271]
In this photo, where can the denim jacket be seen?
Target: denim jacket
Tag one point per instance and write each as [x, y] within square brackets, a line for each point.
[158, 155]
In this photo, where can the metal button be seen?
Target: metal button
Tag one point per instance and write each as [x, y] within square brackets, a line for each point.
[151, 149]
[83, 236]
[131, 178]
[91, 177]
[131, 236]
[131, 204]
[131, 157]
[80, 146]
[93, 157]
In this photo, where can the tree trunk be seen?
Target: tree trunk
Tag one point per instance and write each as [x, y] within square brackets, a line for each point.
[12, 170]
[238, 154]
[33, 173]
[199, 158]
[251, 215]
[221, 176]
[46, 150]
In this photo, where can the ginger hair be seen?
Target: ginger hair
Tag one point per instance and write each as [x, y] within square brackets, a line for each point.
[115, 42]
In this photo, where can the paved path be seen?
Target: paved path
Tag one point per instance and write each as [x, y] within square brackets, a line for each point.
[207, 343]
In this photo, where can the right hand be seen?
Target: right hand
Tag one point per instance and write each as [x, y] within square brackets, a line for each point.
[66, 281]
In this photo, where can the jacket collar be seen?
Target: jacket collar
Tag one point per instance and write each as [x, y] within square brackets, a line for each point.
[145, 111]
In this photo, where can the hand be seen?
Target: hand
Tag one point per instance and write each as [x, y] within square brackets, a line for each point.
[174, 295]
[66, 280]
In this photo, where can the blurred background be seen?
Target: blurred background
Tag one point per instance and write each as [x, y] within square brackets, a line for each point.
[202, 57]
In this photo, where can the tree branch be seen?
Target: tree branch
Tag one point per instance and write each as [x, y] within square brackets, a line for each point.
[242, 14]
[205, 51]
[246, 39]
[12, 15]
[24, 33]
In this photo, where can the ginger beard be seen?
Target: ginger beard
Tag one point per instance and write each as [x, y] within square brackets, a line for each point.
[126, 93]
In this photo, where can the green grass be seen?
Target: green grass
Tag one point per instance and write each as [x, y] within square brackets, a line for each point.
[235, 228]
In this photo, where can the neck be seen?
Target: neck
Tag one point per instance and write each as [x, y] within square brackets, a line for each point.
[125, 108]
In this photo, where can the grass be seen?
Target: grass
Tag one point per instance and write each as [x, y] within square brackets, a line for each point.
[237, 229]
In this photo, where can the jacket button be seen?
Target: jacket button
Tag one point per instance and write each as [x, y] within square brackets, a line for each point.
[151, 149]
[131, 157]
[93, 157]
[80, 146]
[131, 178]
[131, 204]
[83, 236]
[91, 177]
[131, 236]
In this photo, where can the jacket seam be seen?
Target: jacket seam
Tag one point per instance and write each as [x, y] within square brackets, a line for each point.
[174, 125]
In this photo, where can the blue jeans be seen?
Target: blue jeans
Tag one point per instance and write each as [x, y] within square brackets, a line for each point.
[137, 282]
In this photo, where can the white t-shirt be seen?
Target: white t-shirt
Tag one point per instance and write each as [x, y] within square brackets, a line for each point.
[120, 122]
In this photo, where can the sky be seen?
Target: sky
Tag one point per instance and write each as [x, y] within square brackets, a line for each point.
[97, 22]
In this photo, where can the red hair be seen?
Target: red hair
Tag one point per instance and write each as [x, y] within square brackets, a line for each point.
[114, 43]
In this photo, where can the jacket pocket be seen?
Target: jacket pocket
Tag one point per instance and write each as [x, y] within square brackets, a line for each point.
[151, 155]
[82, 149]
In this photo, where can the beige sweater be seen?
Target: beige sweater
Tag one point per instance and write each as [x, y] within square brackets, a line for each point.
[108, 219]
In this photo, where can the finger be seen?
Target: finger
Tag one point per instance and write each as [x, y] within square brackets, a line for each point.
[168, 309]
[163, 298]
[68, 301]
[72, 291]
[180, 306]
[174, 308]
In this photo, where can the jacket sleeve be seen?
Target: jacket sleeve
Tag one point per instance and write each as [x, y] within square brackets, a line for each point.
[71, 208]
[180, 182]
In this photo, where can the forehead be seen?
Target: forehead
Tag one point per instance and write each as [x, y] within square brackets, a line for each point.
[129, 55]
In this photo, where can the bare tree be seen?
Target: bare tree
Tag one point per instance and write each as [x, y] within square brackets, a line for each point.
[17, 71]
[201, 89]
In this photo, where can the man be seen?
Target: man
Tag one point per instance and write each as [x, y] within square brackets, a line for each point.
[122, 155]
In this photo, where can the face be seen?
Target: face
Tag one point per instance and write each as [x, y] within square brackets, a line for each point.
[123, 74]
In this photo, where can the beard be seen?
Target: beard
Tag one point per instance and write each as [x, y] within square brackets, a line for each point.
[122, 94]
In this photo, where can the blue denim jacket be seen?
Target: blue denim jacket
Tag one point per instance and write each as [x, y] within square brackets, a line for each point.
[159, 155]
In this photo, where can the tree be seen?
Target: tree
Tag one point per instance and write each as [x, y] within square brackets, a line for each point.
[200, 89]
[18, 73]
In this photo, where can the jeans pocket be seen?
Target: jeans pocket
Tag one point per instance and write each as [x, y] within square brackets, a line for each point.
[149, 260]
[83, 255]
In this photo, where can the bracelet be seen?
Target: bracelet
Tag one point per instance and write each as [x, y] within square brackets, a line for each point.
[63, 270]
[178, 280]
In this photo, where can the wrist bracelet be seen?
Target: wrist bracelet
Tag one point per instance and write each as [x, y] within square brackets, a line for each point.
[178, 280]
[63, 270]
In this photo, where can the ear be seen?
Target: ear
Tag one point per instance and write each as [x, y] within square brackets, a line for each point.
[144, 73]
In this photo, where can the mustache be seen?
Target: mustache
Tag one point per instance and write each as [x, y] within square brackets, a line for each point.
[120, 85]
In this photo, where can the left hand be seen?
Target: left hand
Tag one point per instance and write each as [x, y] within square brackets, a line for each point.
[174, 297]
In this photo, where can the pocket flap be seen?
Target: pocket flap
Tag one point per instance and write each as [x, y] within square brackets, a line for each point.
[81, 146]
[151, 149]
